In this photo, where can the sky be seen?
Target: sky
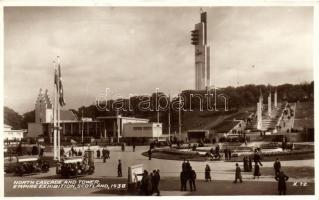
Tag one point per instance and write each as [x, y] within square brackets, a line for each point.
[134, 50]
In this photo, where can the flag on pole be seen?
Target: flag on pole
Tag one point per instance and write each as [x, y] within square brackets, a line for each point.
[61, 98]
[58, 84]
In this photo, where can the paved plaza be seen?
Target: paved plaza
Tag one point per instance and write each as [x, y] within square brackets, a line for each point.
[222, 175]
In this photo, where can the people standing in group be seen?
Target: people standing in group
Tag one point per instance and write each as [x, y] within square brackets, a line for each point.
[282, 179]
[256, 171]
[207, 174]
[238, 174]
[119, 169]
[277, 167]
[146, 184]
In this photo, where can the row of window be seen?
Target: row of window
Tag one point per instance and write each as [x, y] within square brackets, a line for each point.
[142, 128]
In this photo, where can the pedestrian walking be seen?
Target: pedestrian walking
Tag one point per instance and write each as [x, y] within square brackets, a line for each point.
[238, 174]
[192, 178]
[277, 167]
[207, 173]
[119, 169]
[257, 158]
[257, 171]
[133, 147]
[282, 178]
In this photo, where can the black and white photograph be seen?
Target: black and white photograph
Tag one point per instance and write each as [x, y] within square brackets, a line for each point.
[145, 100]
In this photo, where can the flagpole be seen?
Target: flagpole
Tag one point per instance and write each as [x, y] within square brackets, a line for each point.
[179, 118]
[169, 117]
[54, 115]
[58, 115]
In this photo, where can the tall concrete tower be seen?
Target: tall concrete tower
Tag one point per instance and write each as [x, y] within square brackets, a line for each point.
[202, 53]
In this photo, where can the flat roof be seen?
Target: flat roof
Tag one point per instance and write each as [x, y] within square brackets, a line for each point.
[119, 116]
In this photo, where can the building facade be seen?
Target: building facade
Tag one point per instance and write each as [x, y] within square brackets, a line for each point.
[109, 128]
[12, 135]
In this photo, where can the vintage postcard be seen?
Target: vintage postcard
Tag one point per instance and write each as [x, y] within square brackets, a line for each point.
[158, 100]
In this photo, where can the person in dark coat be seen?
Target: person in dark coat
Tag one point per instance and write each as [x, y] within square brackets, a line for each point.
[98, 153]
[184, 165]
[188, 166]
[207, 174]
[119, 169]
[157, 179]
[183, 178]
[146, 184]
[245, 163]
[277, 167]
[226, 153]
[282, 178]
[238, 174]
[192, 178]
[257, 171]
[133, 147]
[152, 175]
[107, 153]
[149, 152]
[250, 163]
[104, 155]
[257, 158]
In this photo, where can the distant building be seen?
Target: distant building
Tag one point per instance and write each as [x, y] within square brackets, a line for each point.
[113, 126]
[107, 127]
[142, 130]
[12, 135]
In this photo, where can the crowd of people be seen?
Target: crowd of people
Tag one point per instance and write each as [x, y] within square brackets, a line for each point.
[150, 183]
[188, 175]
[75, 169]
[32, 167]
